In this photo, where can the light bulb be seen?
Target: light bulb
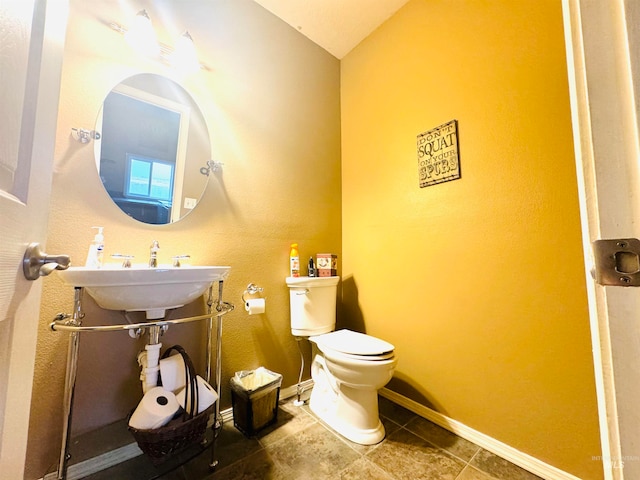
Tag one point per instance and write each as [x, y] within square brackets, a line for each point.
[141, 36]
[184, 57]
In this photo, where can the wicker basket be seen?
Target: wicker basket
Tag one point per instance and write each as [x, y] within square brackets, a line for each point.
[161, 443]
[184, 430]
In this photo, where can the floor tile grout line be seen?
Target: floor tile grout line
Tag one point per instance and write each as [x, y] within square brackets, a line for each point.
[316, 421]
[443, 449]
[474, 455]
[340, 437]
[239, 460]
[380, 469]
[467, 463]
[470, 466]
[411, 419]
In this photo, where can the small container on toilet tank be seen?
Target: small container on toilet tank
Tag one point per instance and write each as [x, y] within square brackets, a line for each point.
[327, 264]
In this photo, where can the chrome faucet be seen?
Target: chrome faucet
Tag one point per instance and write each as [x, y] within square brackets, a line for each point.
[153, 258]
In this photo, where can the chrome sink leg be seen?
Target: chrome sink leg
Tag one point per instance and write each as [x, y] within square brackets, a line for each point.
[217, 422]
[207, 363]
[70, 383]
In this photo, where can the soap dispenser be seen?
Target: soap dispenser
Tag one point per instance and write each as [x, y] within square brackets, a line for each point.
[96, 250]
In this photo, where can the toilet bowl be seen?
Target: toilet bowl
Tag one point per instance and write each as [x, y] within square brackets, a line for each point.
[348, 369]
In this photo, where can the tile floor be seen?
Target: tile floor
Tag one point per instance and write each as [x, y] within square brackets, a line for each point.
[299, 446]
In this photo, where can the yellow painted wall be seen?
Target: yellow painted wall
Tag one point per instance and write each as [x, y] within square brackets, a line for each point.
[271, 102]
[478, 282]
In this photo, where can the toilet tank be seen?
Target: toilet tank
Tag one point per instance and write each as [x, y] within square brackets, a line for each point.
[313, 304]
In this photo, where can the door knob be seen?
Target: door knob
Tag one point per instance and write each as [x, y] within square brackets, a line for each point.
[36, 263]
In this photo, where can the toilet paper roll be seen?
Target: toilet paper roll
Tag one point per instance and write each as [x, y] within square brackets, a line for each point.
[255, 306]
[156, 408]
[172, 373]
[206, 395]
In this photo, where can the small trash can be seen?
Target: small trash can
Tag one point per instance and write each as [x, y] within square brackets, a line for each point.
[254, 397]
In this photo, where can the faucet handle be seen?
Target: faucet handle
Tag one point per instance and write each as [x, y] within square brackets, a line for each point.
[126, 259]
[155, 245]
[177, 258]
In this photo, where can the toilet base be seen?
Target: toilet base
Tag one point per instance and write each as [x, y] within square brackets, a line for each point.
[351, 412]
[369, 436]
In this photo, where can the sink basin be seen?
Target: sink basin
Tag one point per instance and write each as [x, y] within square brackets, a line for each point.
[140, 288]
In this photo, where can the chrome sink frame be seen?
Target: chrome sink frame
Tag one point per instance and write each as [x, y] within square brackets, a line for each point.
[72, 323]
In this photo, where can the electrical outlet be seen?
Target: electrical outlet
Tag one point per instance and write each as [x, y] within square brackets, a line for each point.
[189, 202]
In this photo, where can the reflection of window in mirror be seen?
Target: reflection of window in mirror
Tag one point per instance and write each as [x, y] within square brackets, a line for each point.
[141, 152]
[149, 178]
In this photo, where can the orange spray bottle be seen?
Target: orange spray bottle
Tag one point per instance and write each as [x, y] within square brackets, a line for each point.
[294, 260]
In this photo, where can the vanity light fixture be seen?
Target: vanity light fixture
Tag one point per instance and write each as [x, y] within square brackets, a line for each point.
[142, 38]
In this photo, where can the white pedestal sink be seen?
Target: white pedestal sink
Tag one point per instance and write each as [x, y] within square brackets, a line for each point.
[140, 288]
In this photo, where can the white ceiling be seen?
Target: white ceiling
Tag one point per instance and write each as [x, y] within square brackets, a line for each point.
[335, 25]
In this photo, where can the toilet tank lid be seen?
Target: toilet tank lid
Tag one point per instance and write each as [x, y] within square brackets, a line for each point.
[355, 343]
[311, 282]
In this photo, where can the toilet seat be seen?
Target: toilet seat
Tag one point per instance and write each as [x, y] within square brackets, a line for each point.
[354, 345]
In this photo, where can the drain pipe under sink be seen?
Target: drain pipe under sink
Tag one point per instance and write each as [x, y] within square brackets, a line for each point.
[149, 360]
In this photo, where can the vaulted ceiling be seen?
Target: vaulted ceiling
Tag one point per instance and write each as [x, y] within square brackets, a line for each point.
[336, 25]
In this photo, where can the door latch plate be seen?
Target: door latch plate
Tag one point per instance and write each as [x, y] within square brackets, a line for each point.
[617, 262]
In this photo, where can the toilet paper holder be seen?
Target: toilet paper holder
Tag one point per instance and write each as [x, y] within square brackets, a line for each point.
[252, 289]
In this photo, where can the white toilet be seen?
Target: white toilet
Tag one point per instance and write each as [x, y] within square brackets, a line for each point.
[348, 367]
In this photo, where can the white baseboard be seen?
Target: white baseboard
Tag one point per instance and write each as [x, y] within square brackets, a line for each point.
[529, 463]
[292, 391]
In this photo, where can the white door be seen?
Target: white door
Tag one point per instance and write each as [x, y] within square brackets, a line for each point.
[32, 36]
[603, 49]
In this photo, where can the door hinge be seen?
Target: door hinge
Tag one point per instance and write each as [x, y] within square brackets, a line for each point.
[617, 262]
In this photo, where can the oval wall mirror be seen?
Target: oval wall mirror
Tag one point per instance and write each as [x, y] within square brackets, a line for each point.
[152, 149]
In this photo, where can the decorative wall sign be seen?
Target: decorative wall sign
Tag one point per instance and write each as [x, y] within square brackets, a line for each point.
[438, 158]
